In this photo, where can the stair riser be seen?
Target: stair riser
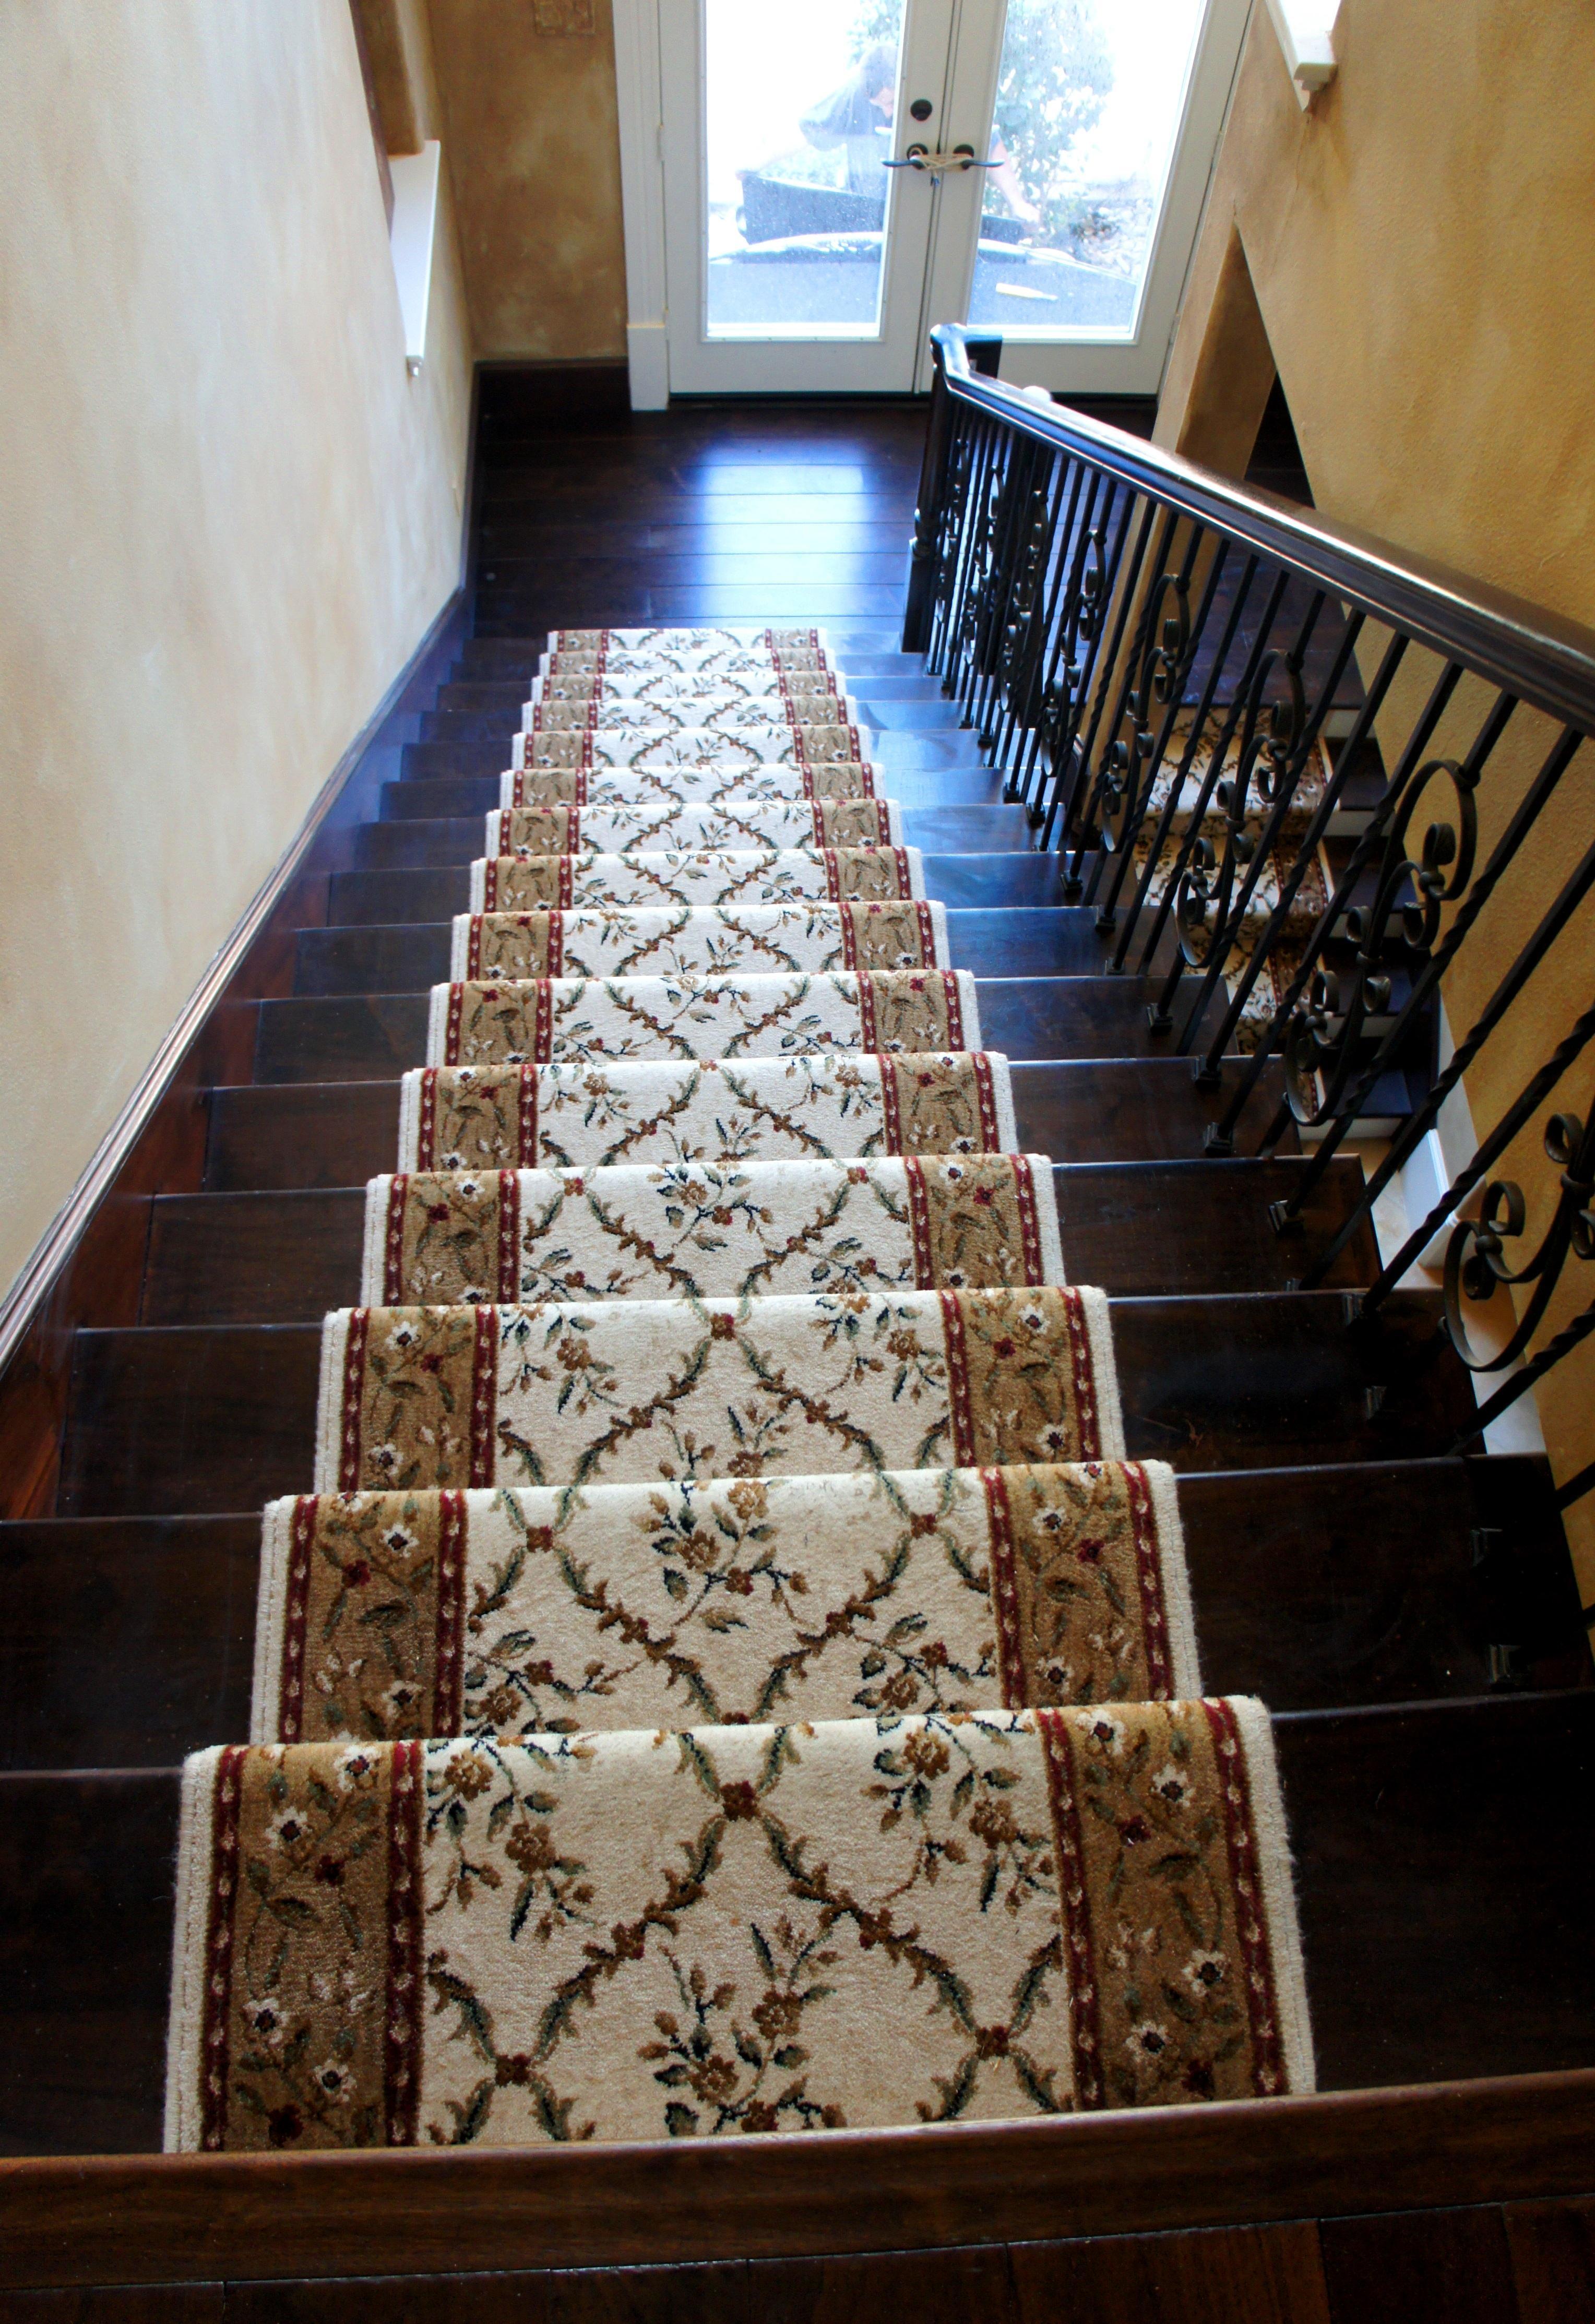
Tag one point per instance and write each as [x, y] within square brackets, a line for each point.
[1312, 1588]
[219, 1419]
[339, 1134]
[1181, 1228]
[371, 1037]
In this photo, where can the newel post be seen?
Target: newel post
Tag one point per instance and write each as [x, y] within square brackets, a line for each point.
[928, 511]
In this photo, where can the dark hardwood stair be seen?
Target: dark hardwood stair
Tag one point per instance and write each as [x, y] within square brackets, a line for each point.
[283, 1134]
[1409, 1615]
[222, 1417]
[1314, 1588]
[1426, 1886]
[1134, 1230]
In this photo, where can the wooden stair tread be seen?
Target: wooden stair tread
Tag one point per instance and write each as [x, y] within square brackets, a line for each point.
[214, 1417]
[284, 1134]
[1168, 1227]
[1446, 1905]
[1315, 1588]
[457, 836]
[366, 1035]
[1009, 941]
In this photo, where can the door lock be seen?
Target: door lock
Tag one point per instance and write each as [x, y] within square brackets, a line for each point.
[921, 109]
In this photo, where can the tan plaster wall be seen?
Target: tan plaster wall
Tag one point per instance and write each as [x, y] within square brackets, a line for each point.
[532, 139]
[230, 515]
[1421, 248]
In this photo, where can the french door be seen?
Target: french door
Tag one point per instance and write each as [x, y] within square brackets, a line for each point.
[838, 175]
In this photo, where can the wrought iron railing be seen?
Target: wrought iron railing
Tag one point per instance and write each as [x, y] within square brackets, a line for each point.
[1261, 743]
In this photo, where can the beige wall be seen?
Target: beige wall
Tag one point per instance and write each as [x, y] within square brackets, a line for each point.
[230, 515]
[533, 142]
[1421, 248]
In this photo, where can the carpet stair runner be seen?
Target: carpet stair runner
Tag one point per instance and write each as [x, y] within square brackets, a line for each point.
[814, 755]
[700, 940]
[541, 1611]
[749, 1229]
[813, 1105]
[544, 1020]
[727, 813]
[705, 879]
[725, 1676]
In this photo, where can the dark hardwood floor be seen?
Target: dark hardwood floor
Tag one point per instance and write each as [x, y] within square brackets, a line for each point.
[1347, 1564]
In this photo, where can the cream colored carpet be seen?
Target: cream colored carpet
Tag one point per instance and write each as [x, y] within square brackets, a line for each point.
[808, 1107]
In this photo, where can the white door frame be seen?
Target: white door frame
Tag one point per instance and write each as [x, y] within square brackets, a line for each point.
[1069, 366]
[1135, 367]
[638, 92]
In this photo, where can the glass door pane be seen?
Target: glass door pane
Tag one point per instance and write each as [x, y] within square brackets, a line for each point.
[1091, 96]
[800, 112]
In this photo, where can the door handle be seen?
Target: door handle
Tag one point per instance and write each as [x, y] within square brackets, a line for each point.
[919, 157]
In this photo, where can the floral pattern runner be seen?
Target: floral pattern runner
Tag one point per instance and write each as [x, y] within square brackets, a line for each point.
[651, 741]
[700, 663]
[571, 1394]
[731, 783]
[687, 1230]
[696, 644]
[719, 709]
[545, 1019]
[611, 690]
[813, 1108]
[740, 822]
[643, 1935]
[544, 1612]
[707, 878]
[703, 940]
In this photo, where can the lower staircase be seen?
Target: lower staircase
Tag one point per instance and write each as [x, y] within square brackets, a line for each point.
[817, 1573]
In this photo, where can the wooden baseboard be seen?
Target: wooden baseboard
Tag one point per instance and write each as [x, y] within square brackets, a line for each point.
[182, 2219]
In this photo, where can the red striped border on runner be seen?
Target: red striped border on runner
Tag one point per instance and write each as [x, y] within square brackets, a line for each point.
[1005, 1599]
[1149, 1580]
[509, 1237]
[868, 1040]
[1085, 2041]
[957, 1361]
[427, 1123]
[1084, 1372]
[401, 2016]
[359, 1326]
[483, 1393]
[527, 1158]
[290, 1687]
[449, 1660]
[1024, 1187]
[394, 1243]
[954, 1010]
[986, 1098]
[919, 1223]
[850, 951]
[927, 919]
[543, 1038]
[889, 1106]
[555, 948]
[216, 2008]
[451, 1038]
[1251, 1918]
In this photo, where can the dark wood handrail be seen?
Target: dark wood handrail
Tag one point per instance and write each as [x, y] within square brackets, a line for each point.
[1540, 656]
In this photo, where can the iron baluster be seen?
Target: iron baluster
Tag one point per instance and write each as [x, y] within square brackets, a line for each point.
[1443, 891]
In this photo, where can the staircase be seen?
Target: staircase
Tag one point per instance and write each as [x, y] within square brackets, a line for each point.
[1345, 1566]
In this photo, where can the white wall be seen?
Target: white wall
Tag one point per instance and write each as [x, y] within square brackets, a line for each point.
[228, 514]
